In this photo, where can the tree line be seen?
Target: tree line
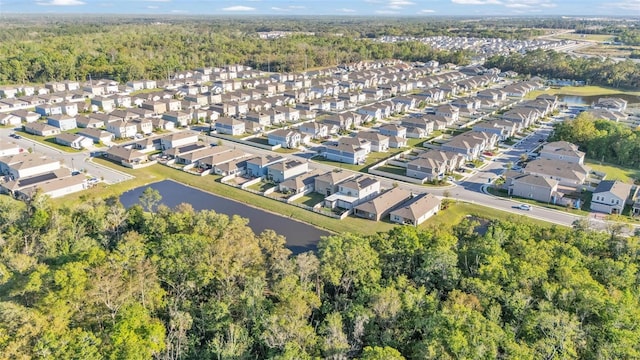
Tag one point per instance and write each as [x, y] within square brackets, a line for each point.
[98, 281]
[552, 64]
[602, 140]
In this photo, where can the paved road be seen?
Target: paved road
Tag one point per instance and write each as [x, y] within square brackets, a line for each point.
[77, 160]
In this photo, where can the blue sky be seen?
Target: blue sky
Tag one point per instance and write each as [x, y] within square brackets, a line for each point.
[329, 7]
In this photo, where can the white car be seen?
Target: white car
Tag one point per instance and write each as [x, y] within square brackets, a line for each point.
[526, 207]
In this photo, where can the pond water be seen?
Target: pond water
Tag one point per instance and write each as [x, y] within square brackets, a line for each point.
[589, 100]
[300, 237]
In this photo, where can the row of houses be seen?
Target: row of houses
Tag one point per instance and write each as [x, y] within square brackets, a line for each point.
[25, 173]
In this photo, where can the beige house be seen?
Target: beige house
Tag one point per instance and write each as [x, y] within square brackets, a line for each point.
[417, 210]
[567, 174]
[562, 151]
[287, 169]
[534, 187]
[380, 206]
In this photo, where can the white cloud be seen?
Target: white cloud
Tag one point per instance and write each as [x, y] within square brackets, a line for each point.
[238, 8]
[633, 5]
[346, 10]
[152, 7]
[386, 12]
[297, 7]
[427, 11]
[157, 0]
[179, 11]
[400, 3]
[62, 3]
[477, 2]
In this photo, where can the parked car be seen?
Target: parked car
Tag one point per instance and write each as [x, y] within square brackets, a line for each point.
[526, 207]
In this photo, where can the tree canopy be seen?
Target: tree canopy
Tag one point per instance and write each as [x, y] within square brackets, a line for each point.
[98, 281]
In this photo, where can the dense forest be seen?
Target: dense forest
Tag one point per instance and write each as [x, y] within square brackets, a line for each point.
[552, 64]
[602, 140]
[98, 281]
[155, 50]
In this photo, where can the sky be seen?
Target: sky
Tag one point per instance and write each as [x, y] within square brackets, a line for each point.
[329, 7]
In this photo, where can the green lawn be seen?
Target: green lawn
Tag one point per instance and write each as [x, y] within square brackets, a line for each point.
[48, 141]
[393, 169]
[261, 186]
[372, 158]
[581, 91]
[615, 172]
[310, 199]
[459, 210]
[586, 37]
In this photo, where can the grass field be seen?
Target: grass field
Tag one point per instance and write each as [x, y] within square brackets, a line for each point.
[459, 210]
[586, 37]
[48, 141]
[614, 172]
[582, 91]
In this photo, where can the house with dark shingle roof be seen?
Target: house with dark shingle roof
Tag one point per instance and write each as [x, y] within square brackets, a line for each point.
[380, 206]
[610, 196]
[417, 210]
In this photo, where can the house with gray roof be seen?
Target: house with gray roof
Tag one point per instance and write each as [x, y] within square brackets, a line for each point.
[417, 210]
[610, 196]
[534, 187]
[567, 174]
[379, 207]
[562, 151]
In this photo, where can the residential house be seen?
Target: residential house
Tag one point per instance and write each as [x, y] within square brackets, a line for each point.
[7, 149]
[448, 111]
[611, 103]
[63, 122]
[48, 109]
[106, 104]
[393, 130]
[87, 122]
[417, 210]
[258, 117]
[9, 119]
[179, 118]
[567, 174]
[287, 138]
[26, 115]
[257, 166]
[611, 196]
[421, 123]
[75, 141]
[534, 187]
[287, 169]
[303, 183]
[97, 135]
[314, 129]
[504, 129]
[471, 144]
[178, 140]
[41, 129]
[426, 169]
[156, 107]
[562, 151]
[122, 129]
[27, 164]
[327, 183]
[380, 206]
[160, 124]
[352, 192]
[125, 115]
[290, 114]
[126, 156]
[345, 153]
[379, 142]
[230, 126]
